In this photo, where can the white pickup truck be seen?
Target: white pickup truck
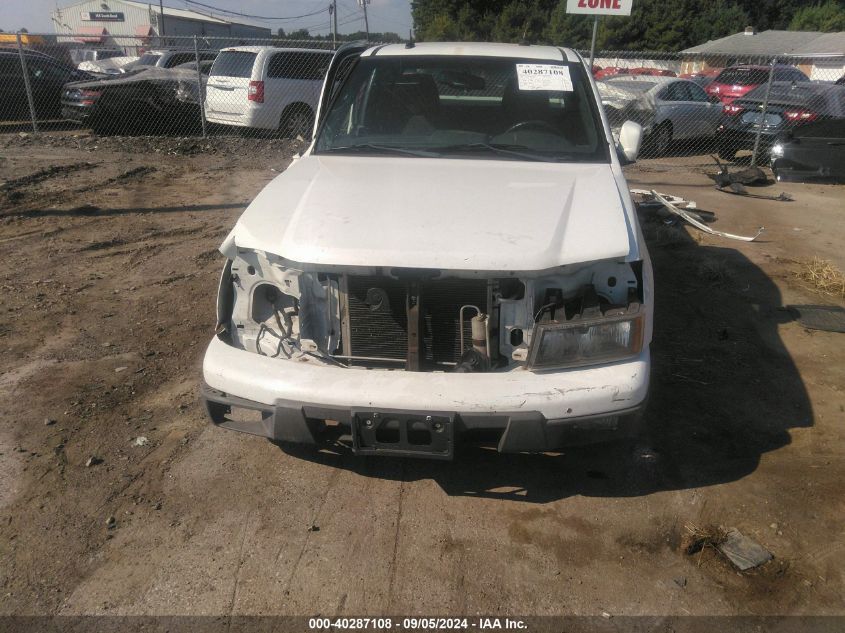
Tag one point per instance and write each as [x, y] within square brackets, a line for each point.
[455, 256]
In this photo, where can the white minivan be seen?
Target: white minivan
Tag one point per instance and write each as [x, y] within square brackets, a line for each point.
[267, 88]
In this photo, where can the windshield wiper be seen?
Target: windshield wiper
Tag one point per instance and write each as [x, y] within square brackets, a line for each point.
[517, 151]
[371, 147]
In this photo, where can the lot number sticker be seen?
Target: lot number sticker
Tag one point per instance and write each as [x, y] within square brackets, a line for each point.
[543, 77]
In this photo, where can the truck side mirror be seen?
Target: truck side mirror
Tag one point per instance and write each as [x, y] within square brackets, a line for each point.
[630, 140]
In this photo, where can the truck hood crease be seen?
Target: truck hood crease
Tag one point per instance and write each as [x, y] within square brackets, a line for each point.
[450, 214]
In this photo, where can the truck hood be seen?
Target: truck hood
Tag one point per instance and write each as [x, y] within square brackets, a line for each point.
[438, 213]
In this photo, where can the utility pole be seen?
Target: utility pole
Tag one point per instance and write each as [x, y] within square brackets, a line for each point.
[27, 85]
[333, 11]
[161, 19]
[762, 120]
[593, 43]
[366, 20]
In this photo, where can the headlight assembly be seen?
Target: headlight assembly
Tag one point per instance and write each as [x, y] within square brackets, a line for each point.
[580, 342]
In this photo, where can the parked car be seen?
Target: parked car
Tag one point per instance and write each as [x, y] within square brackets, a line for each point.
[614, 71]
[46, 78]
[608, 71]
[652, 72]
[737, 81]
[110, 66]
[169, 58]
[440, 261]
[267, 88]
[815, 151]
[37, 43]
[710, 73]
[187, 89]
[148, 100]
[668, 109]
[790, 105]
[703, 77]
[79, 55]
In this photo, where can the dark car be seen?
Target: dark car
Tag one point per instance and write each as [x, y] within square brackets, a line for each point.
[737, 81]
[170, 58]
[146, 101]
[815, 151]
[790, 105]
[47, 75]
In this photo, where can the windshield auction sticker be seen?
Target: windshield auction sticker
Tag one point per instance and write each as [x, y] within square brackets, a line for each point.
[544, 77]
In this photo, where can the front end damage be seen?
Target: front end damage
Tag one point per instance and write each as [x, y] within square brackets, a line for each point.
[402, 361]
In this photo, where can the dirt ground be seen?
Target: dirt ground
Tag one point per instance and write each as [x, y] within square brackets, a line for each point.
[108, 288]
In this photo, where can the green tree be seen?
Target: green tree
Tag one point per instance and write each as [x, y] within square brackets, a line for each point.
[653, 25]
[441, 27]
[770, 14]
[827, 17]
[718, 18]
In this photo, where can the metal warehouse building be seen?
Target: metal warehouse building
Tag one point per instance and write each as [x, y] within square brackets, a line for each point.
[133, 25]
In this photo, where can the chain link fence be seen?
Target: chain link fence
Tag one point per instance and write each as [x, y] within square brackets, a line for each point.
[180, 86]
[691, 104]
[688, 104]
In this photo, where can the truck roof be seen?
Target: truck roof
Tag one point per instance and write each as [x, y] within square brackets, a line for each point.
[479, 49]
[258, 49]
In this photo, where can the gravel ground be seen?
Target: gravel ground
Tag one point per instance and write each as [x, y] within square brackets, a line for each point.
[119, 497]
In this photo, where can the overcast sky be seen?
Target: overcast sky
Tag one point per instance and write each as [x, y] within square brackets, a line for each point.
[385, 15]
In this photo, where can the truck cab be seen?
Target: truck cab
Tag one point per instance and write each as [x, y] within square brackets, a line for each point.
[456, 252]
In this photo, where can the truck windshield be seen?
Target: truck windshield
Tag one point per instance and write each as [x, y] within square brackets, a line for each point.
[465, 107]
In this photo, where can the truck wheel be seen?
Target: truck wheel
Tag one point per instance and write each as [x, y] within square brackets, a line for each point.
[297, 120]
[661, 140]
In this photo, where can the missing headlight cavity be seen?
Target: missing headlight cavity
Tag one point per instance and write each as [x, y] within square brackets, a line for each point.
[283, 312]
[268, 302]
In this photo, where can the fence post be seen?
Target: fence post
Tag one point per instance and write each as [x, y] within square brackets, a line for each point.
[763, 114]
[593, 43]
[200, 91]
[27, 85]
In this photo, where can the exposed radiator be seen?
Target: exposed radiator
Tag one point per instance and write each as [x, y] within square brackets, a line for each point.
[378, 321]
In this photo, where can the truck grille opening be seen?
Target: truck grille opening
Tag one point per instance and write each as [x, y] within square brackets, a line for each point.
[378, 319]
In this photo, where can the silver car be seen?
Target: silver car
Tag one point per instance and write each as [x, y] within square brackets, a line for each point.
[668, 108]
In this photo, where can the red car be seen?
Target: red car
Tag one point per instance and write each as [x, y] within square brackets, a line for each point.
[612, 71]
[711, 73]
[737, 81]
[653, 72]
[608, 71]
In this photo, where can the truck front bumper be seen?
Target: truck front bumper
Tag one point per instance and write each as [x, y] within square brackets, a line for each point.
[422, 413]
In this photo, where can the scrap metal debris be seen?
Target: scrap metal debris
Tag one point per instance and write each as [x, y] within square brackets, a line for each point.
[819, 317]
[645, 200]
[735, 183]
[738, 190]
[686, 215]
[749, 176]
[743, 552]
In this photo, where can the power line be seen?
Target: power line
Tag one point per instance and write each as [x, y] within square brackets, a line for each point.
[255, 17]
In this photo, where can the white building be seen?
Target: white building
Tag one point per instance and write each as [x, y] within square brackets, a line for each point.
[133, 26]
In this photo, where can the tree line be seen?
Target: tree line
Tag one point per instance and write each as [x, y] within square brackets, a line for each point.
[659, 25]
[303, 34]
